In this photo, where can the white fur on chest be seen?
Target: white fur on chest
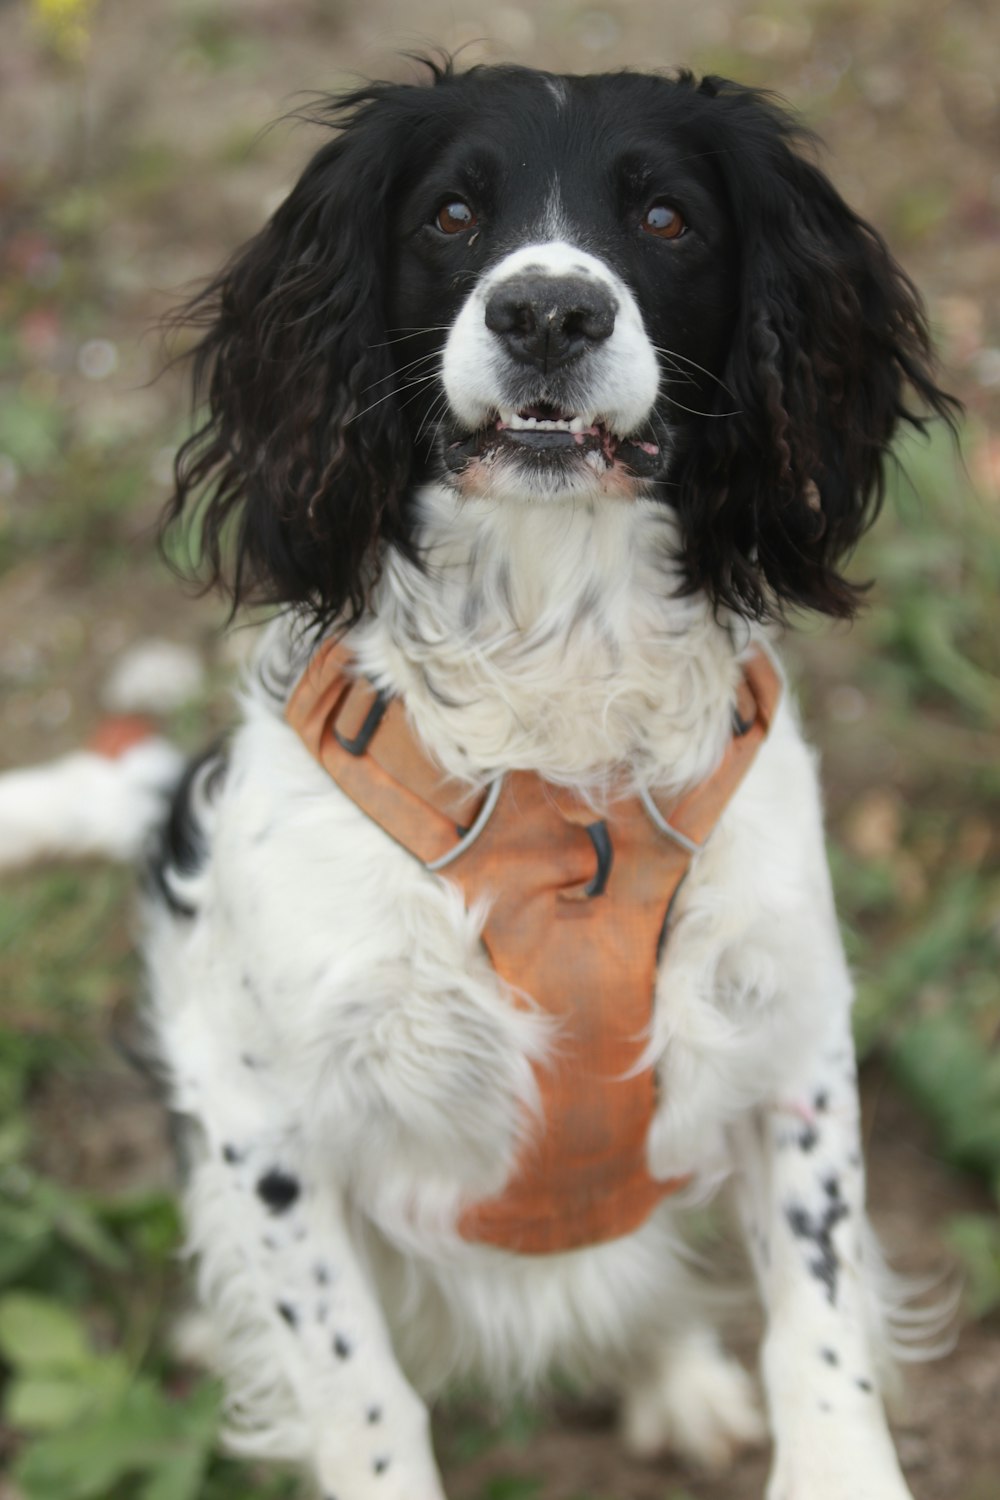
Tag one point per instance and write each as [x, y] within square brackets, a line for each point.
[355, 979]
[552, 638]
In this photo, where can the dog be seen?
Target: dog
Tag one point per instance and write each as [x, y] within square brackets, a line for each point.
[536, 408]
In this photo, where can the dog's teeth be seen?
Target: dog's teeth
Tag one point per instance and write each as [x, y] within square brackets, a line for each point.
[518, 423]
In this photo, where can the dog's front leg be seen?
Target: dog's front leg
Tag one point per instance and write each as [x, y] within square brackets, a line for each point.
[312, 1373]
[803, 1202]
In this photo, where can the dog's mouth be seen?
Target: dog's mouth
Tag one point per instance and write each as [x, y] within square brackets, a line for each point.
[544, 434]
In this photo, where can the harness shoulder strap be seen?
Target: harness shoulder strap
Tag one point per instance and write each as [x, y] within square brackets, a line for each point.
[363, 738]
[690, 818]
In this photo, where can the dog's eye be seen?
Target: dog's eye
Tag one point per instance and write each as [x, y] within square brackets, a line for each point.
[453, 218]
[665, 221]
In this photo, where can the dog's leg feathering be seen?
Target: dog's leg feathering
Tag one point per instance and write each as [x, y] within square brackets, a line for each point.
[280, 1274]
[803, 1204]
[311, 1372]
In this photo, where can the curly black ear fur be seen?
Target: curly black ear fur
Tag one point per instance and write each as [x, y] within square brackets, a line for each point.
[830, 333]
[300, 464]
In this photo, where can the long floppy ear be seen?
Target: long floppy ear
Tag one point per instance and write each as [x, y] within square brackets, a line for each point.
[829, 335]
[300, 465]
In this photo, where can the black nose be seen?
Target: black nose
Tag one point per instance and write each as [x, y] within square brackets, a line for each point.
[548, 321]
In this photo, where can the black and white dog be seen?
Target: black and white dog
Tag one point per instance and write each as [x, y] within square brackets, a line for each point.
[555, 391]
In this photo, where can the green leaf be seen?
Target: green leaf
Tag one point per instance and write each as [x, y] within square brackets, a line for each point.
[50, 1402]
[76, 1222]
[976, 1239]
[143, 1434]
[14, 1137]
[39, 1334]
[180, 1479]
[47, 1403]
[511, 1487]
[958, 1082]
[24, 1234]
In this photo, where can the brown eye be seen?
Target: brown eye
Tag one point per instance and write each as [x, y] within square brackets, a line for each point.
[664, 221]
[452, 218]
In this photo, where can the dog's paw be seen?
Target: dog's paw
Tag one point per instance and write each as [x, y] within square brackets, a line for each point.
[698, 1404]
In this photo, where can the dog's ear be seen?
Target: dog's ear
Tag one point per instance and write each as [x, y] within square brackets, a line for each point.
[303, 458]
[829, 335]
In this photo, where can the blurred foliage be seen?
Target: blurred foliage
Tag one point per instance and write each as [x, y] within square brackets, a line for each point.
[917, 862]
[66, 24]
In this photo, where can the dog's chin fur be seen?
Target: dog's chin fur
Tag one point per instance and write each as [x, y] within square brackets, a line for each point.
[551, 636]
[352, 1070]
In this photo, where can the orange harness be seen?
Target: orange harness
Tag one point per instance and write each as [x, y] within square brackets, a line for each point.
[578, 908]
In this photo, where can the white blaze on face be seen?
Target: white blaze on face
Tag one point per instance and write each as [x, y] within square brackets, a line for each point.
[618, 380]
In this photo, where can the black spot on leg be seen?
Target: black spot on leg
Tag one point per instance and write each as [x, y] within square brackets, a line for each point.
[380, 1465]
[817, 1229]
[865, 1385]
[289, 1314]
[342, 1347]
[830, 1356]
[232, 1155]
[821, 1102]
[831, 1187]
[808, 1139]
[373, 1415]
[278, 1190]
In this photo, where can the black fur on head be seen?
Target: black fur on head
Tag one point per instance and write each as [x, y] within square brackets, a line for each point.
[309, 450]
[830, 334]
[303, 461]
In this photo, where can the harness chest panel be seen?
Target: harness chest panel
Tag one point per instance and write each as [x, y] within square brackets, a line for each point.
[577, 910]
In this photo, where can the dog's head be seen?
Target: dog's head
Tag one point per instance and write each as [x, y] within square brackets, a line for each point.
[534, 287]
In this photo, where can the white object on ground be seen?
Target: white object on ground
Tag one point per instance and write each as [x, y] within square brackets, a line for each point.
[155, 677]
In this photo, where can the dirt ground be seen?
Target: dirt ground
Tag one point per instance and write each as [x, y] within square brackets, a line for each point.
[147, 159]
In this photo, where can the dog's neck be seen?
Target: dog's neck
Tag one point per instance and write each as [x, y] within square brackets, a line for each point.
[552, 637]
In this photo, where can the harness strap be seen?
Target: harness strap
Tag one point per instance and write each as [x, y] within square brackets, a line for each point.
[365, 741]
[576, 909]
[390, 777]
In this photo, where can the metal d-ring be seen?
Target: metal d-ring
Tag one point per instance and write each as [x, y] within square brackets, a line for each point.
[472, 833]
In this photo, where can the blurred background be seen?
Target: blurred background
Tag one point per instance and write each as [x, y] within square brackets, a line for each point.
[133, 159]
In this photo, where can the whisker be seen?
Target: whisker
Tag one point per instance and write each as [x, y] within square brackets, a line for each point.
[414, 333]
[673, 354]
[420, 380]
[433, 415]
[392, 374]
[695, 413]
